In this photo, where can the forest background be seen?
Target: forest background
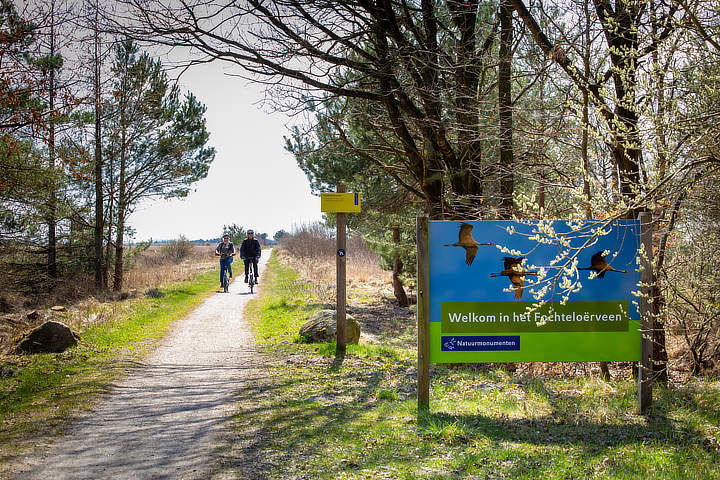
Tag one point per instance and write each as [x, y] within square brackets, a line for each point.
[594, 109]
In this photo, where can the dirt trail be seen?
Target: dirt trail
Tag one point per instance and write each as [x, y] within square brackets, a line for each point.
[168, 417]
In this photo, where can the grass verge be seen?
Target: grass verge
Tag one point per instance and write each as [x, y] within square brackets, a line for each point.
[40, 394]
[355, 417]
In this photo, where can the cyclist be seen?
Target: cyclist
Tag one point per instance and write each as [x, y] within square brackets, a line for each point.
[250, 253]
[226, 251]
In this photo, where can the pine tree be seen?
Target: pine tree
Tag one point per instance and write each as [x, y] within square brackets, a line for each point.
[157, 141]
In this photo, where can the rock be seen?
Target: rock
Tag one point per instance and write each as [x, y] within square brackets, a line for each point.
[153, 293]
[57, 308]
[34, 315]
[322, 327]
[127, 294]
[7, 371]
[50, 337]
[6, 305]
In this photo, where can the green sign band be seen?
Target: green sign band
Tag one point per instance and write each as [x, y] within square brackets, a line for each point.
[541, 347]
[508, 317]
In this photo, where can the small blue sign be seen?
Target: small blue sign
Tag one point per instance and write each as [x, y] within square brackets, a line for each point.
[341, 252]
[462, 343]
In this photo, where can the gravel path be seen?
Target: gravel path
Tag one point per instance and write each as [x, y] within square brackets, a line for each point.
[167, 419]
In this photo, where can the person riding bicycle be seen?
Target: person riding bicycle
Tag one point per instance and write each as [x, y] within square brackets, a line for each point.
[250, 253]
[226, 251]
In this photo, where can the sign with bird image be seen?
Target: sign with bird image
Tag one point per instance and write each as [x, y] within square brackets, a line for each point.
[534, 291]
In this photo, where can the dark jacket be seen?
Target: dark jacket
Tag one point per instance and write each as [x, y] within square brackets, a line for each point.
[250, 248]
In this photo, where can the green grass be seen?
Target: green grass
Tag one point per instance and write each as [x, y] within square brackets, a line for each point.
[48, 390]
[356, 417]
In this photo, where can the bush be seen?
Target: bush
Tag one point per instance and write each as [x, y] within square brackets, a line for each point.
[177, 250]
[316, 240]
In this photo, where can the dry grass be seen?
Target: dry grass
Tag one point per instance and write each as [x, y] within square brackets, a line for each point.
[84, 307]
[153, 269]
[311, 251]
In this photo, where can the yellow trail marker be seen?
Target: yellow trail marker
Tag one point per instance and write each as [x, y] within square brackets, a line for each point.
[340, 202]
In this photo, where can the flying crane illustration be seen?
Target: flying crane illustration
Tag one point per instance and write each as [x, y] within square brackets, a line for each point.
[514, 270]
[466, 240]
[598, 263]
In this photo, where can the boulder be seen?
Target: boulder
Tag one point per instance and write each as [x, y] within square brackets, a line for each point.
[6, 305]
[322, 327]
[50, 337]
[153, 293]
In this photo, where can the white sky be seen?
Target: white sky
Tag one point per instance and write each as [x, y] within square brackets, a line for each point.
[253, 182]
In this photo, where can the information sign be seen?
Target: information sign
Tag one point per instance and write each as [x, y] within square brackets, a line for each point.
[502, 291]
[340, 202]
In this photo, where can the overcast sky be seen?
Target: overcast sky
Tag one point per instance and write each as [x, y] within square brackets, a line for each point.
[253, 182]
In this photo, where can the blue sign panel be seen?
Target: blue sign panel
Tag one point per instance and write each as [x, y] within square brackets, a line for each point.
[480, 344]
[547, 290]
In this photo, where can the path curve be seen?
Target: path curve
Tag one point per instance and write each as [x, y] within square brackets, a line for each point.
[167, 417]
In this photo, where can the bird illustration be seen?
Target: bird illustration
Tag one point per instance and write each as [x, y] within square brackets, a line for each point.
[514, 270]
[598, 263]
[466, 240]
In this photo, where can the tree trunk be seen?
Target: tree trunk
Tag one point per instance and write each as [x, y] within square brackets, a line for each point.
[119, 239]
[622, 39]
[505, 110]
[660, 356]
[505, 117]
[464, 180]
[99, 199]
[109, 232]
[539, 150]
[52, 201]
[397, 270]
[587, 41]
[121, 207]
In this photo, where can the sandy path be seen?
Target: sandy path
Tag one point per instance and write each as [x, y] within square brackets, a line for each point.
[166, 418]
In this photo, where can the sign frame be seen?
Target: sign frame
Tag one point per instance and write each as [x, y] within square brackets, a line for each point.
[426, 349]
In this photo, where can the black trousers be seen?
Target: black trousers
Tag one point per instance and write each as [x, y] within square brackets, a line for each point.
[254, 262]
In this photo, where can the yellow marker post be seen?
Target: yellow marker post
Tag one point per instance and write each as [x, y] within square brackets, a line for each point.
[340, 202]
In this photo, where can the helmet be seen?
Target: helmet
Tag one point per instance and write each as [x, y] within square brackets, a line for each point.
[250, 231]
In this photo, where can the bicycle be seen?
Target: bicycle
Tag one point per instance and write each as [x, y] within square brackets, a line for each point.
[225, 281]
[251, 281]
[252, 278]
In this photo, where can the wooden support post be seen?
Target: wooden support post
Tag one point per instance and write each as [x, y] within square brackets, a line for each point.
[340, 239]
[645, 368]
[423, 314]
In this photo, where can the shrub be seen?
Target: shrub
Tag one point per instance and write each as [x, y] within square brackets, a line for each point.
[177, 250]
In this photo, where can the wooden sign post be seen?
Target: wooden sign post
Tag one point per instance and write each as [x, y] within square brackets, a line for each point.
[423, 314]
[340, 240]
[341, 203]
